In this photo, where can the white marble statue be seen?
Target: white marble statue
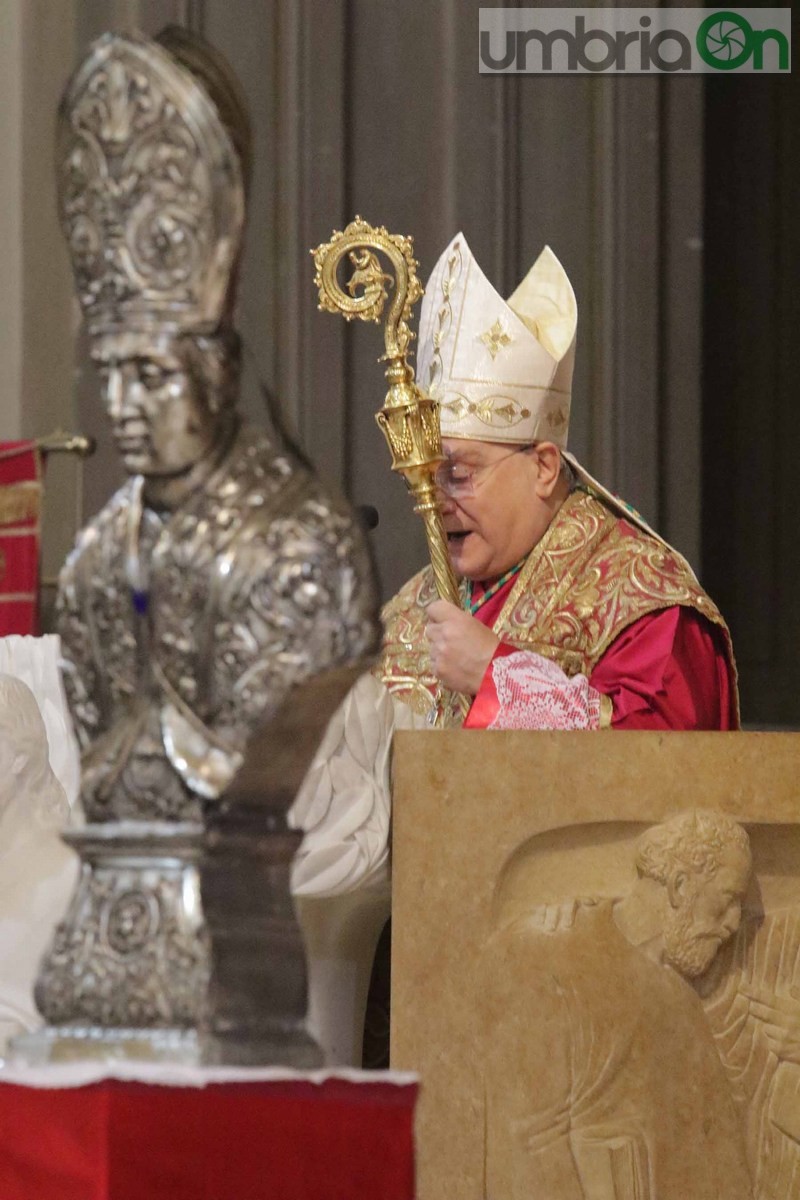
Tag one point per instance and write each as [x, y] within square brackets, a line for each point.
[36, 661]
[37, 871]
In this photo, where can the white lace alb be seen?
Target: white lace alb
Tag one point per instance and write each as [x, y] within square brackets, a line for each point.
[534, 693]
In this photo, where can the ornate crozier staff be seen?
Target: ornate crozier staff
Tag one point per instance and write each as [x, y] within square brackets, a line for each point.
[409, 420]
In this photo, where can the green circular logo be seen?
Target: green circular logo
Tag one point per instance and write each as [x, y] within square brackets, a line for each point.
[725, 40]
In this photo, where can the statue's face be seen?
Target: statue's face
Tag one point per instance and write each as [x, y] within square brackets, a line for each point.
[707, 912]
[163, 423]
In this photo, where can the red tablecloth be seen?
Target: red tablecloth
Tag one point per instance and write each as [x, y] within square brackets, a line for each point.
[340, 1139]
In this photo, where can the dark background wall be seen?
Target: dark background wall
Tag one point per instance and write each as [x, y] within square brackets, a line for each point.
[751, 367]
[669, 201]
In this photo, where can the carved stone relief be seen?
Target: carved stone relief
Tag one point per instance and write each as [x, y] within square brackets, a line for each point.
[617, 1088]
[597, 964]
[752, 1003]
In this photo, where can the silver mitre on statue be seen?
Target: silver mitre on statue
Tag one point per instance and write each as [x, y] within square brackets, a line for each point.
[218, 577]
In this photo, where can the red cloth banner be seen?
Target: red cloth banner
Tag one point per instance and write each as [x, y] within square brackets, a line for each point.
[286, 1140]
[20, 533]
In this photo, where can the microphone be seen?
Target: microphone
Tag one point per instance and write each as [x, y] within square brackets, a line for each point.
[368, 516]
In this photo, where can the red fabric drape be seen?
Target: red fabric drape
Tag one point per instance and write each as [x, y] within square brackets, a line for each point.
[668, 670]
[113, 1140]
[20, 527]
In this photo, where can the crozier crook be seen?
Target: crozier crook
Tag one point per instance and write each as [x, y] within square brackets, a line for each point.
[409, 419]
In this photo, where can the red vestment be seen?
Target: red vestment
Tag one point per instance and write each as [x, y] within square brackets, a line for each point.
[603, 625]
[668, 670]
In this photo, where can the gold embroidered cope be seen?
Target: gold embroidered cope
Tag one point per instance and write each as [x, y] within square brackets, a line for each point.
[583, 584]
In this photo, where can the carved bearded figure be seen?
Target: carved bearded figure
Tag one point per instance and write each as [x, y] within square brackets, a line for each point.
[221, 572]
[602, 1078]
[752, 1001]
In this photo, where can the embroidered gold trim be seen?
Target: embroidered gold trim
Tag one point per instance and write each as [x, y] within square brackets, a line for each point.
[487, 410]
[526, 386]
[496, 338]
[20, 502]
[606, 711]
[444, 319]
[582, 585]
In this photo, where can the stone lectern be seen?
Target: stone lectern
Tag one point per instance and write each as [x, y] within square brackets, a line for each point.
[596, 963]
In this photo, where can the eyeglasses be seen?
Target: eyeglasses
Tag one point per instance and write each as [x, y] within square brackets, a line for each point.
[459, 479]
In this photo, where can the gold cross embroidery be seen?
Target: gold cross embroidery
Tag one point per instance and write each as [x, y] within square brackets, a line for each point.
[557, 420]
[495, 339]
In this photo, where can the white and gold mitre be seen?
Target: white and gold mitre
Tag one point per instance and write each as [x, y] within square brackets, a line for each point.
[152, 159]
[500, 369]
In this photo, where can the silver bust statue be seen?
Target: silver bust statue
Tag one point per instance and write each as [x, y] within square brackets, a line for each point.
[218, 577]
[221, 573]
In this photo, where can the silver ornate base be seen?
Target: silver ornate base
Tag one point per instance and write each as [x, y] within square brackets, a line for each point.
[132, 951]
[177, 946]
[50, 1045]
[186, 1046]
